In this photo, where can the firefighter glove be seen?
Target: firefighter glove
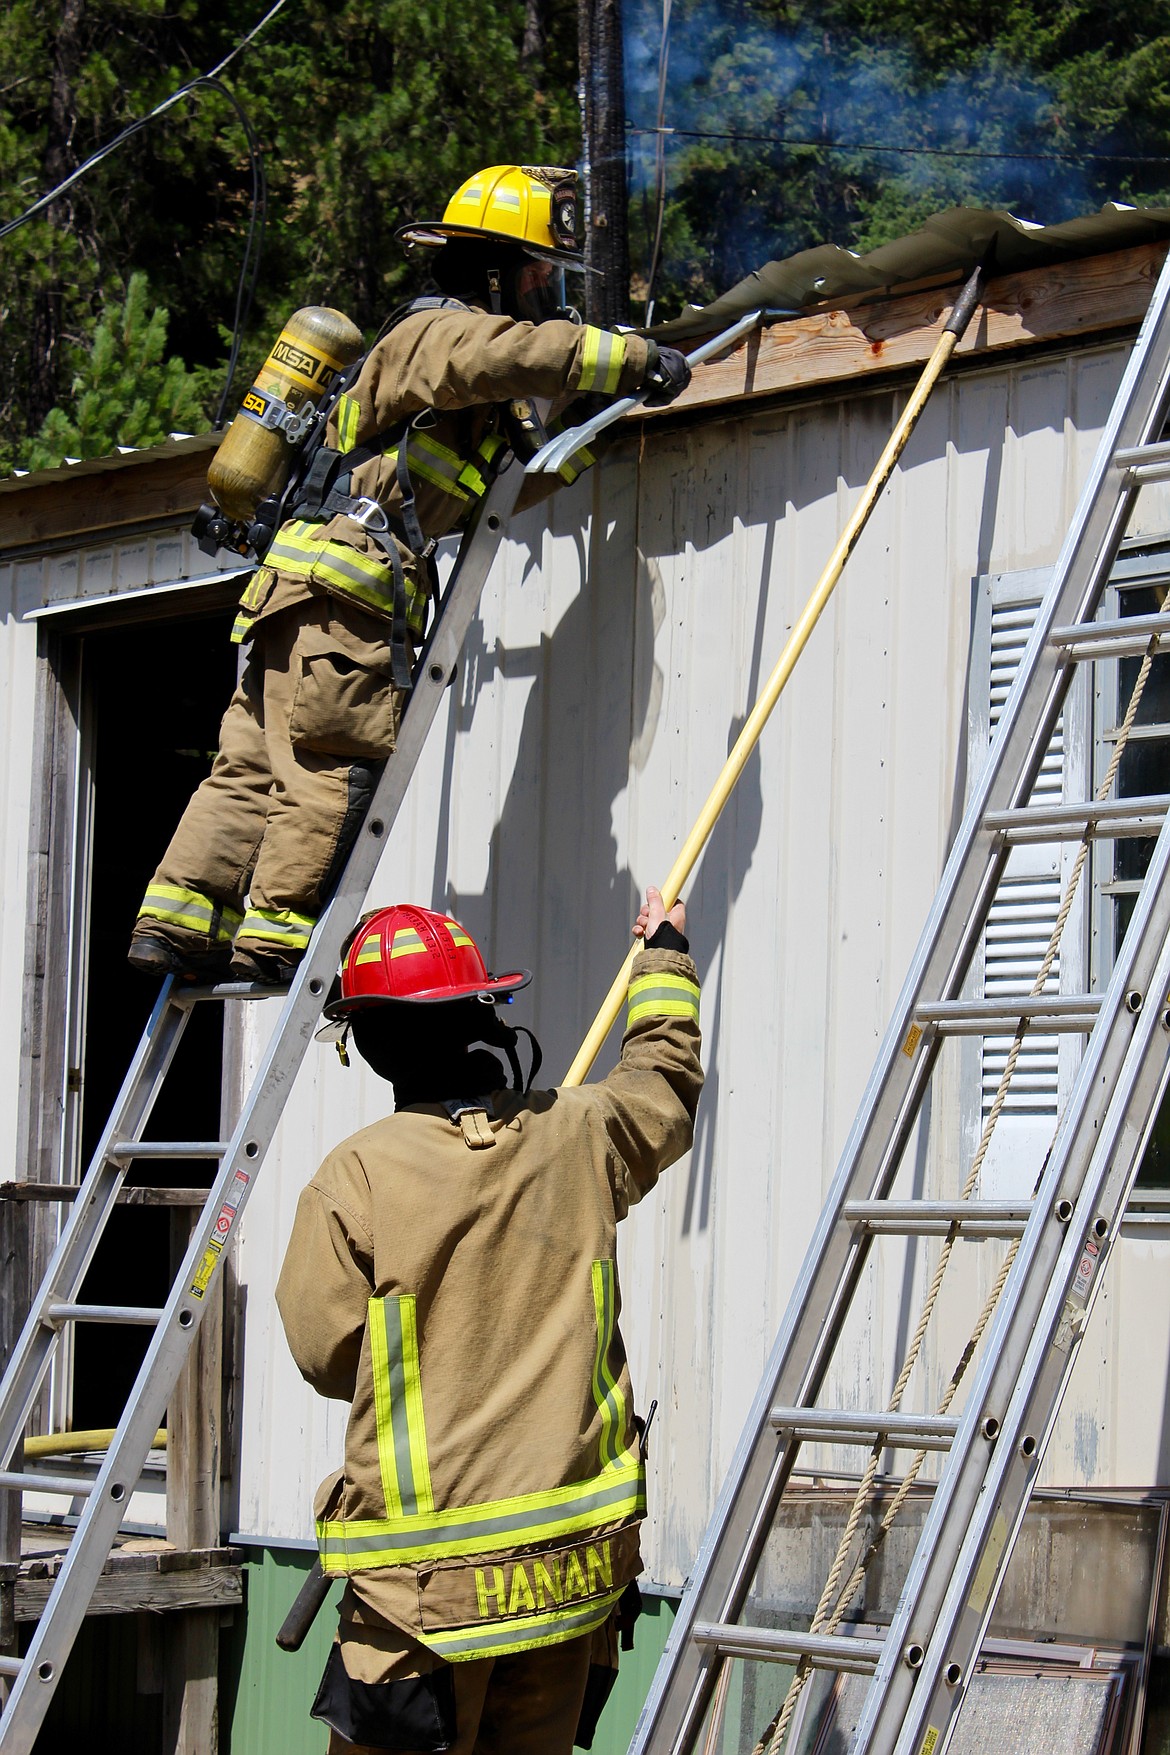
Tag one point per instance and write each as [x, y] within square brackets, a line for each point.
[667, 376]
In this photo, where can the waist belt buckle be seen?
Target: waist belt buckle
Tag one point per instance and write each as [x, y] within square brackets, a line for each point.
[369, 514]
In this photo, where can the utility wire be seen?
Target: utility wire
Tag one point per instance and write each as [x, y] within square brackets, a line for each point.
[253, 243]
[167, 103]
[1124, 158]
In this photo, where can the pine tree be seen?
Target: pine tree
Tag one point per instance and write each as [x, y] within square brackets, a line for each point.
[124, 389]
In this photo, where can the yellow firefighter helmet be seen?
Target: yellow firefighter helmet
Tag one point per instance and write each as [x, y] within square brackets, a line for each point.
[534, 206]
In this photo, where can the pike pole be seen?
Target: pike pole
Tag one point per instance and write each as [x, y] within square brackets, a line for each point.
[953, 331]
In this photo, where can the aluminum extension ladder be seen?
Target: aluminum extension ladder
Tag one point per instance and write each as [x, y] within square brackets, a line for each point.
[920, 1669]
[239, 1158]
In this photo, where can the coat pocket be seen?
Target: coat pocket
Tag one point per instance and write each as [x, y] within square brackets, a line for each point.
[343, 704]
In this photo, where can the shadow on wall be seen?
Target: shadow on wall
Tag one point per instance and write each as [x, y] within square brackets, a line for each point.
[558, 889]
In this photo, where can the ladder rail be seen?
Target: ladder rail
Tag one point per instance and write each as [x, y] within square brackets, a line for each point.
[1131, 1066]
[88, 1215]
[73, 1587]
[890, 1104]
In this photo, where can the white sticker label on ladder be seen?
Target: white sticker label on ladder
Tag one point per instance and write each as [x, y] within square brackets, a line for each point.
[1086, 1268]
[225, 1219]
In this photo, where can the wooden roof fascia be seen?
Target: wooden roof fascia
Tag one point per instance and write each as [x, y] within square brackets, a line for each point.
[156, 491]
[1081, 300]
[1092, 298]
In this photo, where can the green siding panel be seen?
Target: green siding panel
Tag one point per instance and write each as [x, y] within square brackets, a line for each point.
[267, 1692]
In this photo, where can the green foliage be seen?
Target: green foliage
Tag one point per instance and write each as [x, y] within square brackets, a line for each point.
[798, 122]
[368, 112]
[124, 390]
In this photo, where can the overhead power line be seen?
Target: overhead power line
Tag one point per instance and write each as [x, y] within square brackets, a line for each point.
[1130, 158]
[253, 243]
[103, 152]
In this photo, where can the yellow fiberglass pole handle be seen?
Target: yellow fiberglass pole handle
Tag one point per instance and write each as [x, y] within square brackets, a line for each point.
[758, 717]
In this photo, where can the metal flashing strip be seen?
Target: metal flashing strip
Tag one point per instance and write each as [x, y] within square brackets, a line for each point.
[135, 594]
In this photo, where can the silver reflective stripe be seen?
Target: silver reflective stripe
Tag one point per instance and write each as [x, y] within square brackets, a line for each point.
[623, 1494]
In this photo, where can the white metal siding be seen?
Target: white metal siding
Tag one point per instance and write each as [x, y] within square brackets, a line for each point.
[621, 643]
[622, 640]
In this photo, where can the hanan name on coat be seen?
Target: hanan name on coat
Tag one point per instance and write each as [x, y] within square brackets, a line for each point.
[521, 1586]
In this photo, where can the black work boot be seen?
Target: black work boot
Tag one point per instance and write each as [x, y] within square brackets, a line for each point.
[154, 952]
[271, 968]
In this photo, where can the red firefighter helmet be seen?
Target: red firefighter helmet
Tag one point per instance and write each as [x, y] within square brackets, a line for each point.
[409, 953]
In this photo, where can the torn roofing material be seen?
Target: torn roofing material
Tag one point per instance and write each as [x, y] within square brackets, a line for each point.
[947, 248]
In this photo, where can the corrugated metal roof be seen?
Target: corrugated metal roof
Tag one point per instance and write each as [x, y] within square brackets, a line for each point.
[122, 458]
[949, 246]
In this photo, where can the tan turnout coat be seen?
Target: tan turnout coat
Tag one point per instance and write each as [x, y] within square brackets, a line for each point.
[456, 1281]
[449, 370]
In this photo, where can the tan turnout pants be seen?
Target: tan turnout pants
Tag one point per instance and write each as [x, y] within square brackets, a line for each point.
[300, 750]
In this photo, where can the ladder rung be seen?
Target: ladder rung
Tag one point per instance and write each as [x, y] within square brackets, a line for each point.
[981, 1017]
[934, 1218]
[1068, 822]
[1126, 637]
[168, 1148]
[235, 990]
[10, 1666]
[825, 1651]
[1145, 462]
[841, 1426]
[131, 1313]
[72, 1486]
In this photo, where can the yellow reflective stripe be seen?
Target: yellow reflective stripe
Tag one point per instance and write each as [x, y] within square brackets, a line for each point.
[434, 462]
[380, 1368]
[278, 926]
[189, 908]
[521, 1632]
[398, 1408]
[613, 1497]
[406, 944]
[606, 1394]
[458, 936]
[348, 415]
[662, 996]
[300, 552]
[472, 480]
[602, 359]
[576, 465]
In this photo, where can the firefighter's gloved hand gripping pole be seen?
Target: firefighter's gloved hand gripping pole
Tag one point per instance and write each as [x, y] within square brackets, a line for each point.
[953, 331]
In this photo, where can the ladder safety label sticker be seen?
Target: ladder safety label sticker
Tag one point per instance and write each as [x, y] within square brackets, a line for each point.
[985, 1577]
[1065, 1334]
[225, 1219]
[913, 1038]
[1085, 1270]
[929, 1740]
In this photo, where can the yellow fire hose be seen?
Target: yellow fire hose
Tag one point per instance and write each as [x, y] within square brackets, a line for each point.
[66, 1443]
[956, 325]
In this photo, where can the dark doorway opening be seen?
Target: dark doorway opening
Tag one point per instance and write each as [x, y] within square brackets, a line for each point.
[153, 695]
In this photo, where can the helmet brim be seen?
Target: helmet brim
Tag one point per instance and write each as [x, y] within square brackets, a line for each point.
[433, 234]
[495, 988]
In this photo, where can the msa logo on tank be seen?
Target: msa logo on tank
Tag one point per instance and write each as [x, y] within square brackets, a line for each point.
[308, 364]
[544, 1581]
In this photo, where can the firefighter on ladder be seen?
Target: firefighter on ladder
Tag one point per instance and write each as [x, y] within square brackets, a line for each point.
[332, 619]
[452, 1274]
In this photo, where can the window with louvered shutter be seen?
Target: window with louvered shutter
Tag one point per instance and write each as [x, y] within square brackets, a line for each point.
[1022, 916]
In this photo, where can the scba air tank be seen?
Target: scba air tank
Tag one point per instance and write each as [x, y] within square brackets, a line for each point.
[253, 461]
